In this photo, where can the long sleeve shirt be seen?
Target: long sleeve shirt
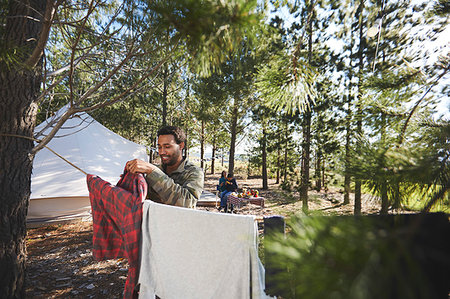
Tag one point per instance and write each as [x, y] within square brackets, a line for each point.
[116, 219]
[231, 186]
[182, 187]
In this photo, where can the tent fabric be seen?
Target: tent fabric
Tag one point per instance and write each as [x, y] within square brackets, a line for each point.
[90, 146]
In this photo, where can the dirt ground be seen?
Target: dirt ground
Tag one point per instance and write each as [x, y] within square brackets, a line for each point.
[60, 262]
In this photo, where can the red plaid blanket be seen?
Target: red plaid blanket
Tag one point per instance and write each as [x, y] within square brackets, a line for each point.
[117, 217]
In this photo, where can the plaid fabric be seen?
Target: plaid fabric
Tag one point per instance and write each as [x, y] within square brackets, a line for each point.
[253, 200]
[234, 200]
[117, 218]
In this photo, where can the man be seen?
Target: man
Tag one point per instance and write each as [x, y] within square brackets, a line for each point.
[230, 187]
[177, 181]
[117, 210]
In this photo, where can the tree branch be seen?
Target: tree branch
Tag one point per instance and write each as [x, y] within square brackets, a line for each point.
[72, 110]
[402, 133]
[50, 11]
[74, 45]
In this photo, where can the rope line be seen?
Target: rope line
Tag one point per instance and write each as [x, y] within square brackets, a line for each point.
[37, 140]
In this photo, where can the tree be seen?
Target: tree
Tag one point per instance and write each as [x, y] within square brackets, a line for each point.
[23, 40]
[262, 116]
[209, 108]
[23, 37]
[385, 93]
[235, 84]
[287, 84]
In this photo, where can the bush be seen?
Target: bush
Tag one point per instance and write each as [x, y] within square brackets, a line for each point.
[355, 257]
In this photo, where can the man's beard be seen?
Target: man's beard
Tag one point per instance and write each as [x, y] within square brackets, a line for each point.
[172, 159]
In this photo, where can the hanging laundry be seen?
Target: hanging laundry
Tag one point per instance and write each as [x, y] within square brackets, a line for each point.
[117, 217]
[189, 253]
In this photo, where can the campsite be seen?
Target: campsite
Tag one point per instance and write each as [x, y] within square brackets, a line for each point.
[299, 149]
[60, 260]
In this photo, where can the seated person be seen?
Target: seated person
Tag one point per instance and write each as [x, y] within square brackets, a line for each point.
[230, 187]
[222, 180]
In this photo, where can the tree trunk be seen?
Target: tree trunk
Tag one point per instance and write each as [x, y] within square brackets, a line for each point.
[202, 146]
[357, 209]
[233, 137]
[155, 147]
[307, 127]
[384, 199]
[264, 160]
[19, 88]
[164, 95]
[384, 183]
[324, 182]
[348, 125]
[213, 157]
[348, 134]
[278, 166]
[286, 144]
[305, 160]
[318, 171]
[18, 116]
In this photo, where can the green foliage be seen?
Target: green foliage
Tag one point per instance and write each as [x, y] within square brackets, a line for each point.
[343, 257]
[107, 48]
[420, 167]
[212, 29]
[394, 79]
[285, 86]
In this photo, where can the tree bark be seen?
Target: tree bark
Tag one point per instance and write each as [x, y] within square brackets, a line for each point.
[286, 144]
[384, 183]
[348, 134]
[18, 117]
[233, 137]
[164, 95]
[278, 166]
[264, 160]
[202, 146]
[307, 126]
[324, 182]
[213, 157]
[384, 199]
[357, 208]
[318, 170]
[19, 89]
[305, 160]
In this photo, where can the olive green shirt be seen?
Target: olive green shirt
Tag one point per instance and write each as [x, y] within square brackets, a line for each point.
[180, 188]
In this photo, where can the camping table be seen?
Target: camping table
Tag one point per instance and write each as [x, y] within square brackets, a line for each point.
[238, 201]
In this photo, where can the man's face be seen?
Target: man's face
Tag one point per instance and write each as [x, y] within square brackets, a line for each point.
[169, 151]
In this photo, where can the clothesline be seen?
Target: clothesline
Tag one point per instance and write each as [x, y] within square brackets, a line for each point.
[257, 218]
[58, 155]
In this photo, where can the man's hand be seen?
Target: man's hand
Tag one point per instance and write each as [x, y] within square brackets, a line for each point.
[139, 166]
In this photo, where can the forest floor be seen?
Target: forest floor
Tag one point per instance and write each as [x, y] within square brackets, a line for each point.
[60, 262]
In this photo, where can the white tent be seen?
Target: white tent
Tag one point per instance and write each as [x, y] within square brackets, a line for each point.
[58, 190]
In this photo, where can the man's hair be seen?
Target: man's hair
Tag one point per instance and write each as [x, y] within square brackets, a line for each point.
[176, 132]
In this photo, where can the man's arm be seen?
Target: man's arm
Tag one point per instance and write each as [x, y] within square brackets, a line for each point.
[140, 166]
[185, 193]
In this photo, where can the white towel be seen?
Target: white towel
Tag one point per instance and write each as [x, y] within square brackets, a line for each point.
[188, 253]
